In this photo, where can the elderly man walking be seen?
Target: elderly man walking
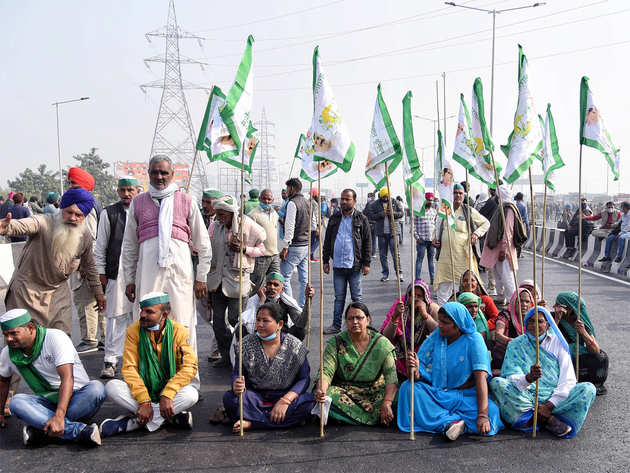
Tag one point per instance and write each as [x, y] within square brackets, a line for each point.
[156, 255]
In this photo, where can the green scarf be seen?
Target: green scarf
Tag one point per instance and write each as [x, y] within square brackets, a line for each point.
[480, 320]
[154, 373]
[24, 364]
[571, 299]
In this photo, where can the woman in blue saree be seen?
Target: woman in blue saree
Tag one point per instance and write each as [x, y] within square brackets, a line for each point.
[451, 367]
[562, 403]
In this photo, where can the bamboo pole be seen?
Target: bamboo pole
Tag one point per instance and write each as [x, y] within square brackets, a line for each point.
[577, 334]
[410, 374]
[240, 289]
[308, 264]
[470, 243]
[192, 169]
[321, 311]
[544, 245]
[533, 217]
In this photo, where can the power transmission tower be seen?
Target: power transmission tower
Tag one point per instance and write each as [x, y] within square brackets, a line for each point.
[265, 170]
[174, 134]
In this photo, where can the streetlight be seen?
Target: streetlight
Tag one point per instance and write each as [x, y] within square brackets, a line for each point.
[494, 14]
[56, 104]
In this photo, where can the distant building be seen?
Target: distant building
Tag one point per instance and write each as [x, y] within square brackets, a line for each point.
[140, 171]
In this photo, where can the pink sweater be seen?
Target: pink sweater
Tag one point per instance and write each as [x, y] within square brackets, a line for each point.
[147, 214]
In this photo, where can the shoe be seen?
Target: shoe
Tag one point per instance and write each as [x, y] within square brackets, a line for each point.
[314, 260]
[331, 330]
[601, 390]
[454, 430]
[221, 363]
[119, 425]
[101, 346]
[385, 278]
[86, 347]
[401, 278]
[90, 436]
[108, 371]
[618, 260]
[32, 436]
[557, 427]
[605, 259]
[183, 420]
[214, 356]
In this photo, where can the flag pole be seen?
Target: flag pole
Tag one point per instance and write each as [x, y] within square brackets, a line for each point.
[308, 263]
[470, 243]
[544, 245]
[411, 374]
[321, 310]
[192, 170]
[533, 217]
[291, 170]
[579, 305]
[240, 289]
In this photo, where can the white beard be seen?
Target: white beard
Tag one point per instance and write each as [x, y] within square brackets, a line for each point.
[66, 238]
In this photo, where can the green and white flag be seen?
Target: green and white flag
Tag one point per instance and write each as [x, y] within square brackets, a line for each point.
[214, 137]
[238, 104]
[464, 150]
[550, 151]
[479, 131]
[309, 168]
[593, 131]
[328, 138]
[384, 145]
[445, 185]
[250, 147]
[409, 143]
[525, 140]
[414, 189]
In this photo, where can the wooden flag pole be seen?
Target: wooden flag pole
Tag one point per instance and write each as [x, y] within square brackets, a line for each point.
[321, 310]
[291, 170]
[411, 374]
[470, 243]
[240, 289]
[533, 217]
[308, 264]
[579, 305]
[544, 245]
[192, 170]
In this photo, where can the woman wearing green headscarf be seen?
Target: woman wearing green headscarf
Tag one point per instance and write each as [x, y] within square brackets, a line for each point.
[473, 304]
[593, 360]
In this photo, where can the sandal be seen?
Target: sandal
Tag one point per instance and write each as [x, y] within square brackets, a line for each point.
[220, 417]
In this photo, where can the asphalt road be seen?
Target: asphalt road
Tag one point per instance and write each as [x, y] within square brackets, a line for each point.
[603, 444]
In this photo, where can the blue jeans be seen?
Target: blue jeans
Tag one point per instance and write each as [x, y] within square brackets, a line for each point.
[297, 256]
[36, 410]
[342, 278]
[314, 245]
[384, 242]
[621, 243]
[421, 248]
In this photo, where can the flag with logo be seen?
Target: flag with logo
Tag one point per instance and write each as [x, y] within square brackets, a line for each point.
[525, 140]
[328, 138]
[384, 145]
[412, 171]
[593, 131]
[214, 137]
[550, 151]
[445, 185]
[309, 168]
[479, 131]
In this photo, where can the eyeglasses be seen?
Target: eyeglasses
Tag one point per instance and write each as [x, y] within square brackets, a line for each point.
[356, 318]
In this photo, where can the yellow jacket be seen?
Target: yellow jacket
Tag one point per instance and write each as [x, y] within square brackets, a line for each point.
[185, 362]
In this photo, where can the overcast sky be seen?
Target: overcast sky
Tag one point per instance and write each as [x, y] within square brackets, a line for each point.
[63, 50]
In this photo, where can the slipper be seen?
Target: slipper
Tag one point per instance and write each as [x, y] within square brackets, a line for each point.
[331, 330]
[220, 417]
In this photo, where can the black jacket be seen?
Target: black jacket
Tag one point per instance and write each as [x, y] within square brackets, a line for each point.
[361, 238]
[374, 211]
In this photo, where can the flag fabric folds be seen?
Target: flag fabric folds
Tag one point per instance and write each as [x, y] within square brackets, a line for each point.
[593, 131]
[445, 185]
[412, 172]
[328, 138]
[309, 168]
[479, 131]
[550, 150]
[525, 140]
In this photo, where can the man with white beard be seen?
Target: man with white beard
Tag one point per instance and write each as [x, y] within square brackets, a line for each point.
[58, 246]
[161, 227]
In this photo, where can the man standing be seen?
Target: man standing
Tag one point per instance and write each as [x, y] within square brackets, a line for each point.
[370, 199]
[348, 241]
[423, 229]
[487, 210]
[378, 211]
[571, 235]
[621, 233]
[63, 395]
[58, 246]
[156, 253]
[252, 202]
[207, 212]
[52, 203]
[107, 255]
[456, 243]
[224, 277]
[265, 216]
[296, 229]
[159, 366]
[316, 213]
[19, 211]
[522, 210]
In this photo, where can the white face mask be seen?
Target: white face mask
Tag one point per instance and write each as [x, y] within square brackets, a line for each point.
[610, 209]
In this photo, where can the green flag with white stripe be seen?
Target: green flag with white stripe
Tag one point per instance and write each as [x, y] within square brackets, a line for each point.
[445, 186]
[550, 151]
[309, 167]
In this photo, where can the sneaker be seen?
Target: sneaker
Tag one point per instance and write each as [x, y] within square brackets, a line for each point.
[108, 371]
[214, 356]
[605, 259]
[332, 330]
[557, 427]
[314, 260]
[90, 436]
[86, 347]
[618, 259]
[454, 430]
[183, 420]
[385, 278]
[32, 436]
[119, 425]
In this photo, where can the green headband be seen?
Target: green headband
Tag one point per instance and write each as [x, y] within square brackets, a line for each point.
[212, 194]
[468, 297]
[16, 322]
[275, 276]
[127, 181]
[163, 299]
[459, 187]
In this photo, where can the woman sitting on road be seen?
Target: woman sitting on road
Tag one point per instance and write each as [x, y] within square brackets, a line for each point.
[534, 291]
[399, 316]
[508, 324]
[472, 302]
[593, 360]
[470, 282]
[452, 367]
[275, 380]
[359, 372]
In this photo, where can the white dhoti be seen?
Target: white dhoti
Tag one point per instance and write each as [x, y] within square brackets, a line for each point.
[118, 392]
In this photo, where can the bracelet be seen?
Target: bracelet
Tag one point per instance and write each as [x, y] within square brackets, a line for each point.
[388, 400]
[591, 343]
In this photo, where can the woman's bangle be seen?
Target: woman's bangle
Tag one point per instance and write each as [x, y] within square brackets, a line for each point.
[388, 400]
[591, 343]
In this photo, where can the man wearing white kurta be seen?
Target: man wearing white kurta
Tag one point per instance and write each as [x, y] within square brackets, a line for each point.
[108, 258]
[161, 226]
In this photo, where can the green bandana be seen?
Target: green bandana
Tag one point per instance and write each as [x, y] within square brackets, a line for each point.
[212, 194]
[24, 364]
[155, 374]
[480, 320]
[275, 276]
[127, 181]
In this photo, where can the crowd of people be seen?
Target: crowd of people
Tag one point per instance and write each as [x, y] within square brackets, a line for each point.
[141, 270]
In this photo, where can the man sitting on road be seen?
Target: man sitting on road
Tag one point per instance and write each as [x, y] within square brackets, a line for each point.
[158, 366]
[50, 365]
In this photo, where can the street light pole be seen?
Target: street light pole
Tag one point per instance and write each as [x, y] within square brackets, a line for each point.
[494, 13]
[56, 104]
